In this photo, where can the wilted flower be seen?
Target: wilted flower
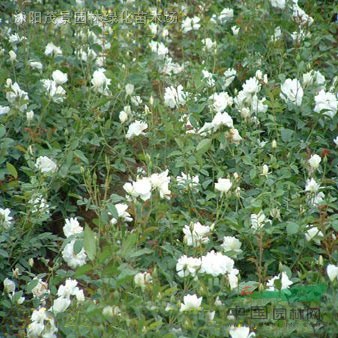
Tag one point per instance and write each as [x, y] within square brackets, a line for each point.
[292, 91]
[40, 289]
[9, 286]
[191, 302]
[45, 165]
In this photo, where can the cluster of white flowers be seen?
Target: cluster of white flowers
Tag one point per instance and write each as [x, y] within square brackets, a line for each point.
[247, 101]
[53, 50]
[45, 165]
[54, 87]
[39, 205]
[64, 293]
[188, 266]
[71, 230]
[16, 96]
[42, 324]
[144, 186]
[174, 97]
[6, 221]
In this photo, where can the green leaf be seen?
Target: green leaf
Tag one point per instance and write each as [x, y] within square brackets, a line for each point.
[78, 246]
[2, 131]
[112, 210]
[286, 134]
[31, 285]
[292, 228]
[204, 146]
[128, 245]
[89, 242]
[11, 169]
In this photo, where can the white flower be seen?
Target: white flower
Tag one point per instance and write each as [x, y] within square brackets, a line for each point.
[52, 49]
[187, 181]
[231, 244]
[70, 288]
[12, 55]
[59, 77]
[136, 129]
[258, 220]
[300, 16]
[60, 305]
[40, 289]
[233, 279]
[159, 48]
[216, 264]
[161, 182]
[111, 311]
[174, 97]
[39, 204]
[251, 86]
[313, 233]
[189, 24]
[57, 93]
[208, 77]
[292, 91]
[312, 186]
[30, 116]
[16, 95]
[100, 82]
[229, 76]
[196, 234]
[265, 170]
[278, 3]
[71, 258]
[5, 219]
[221, 101]
[335, 141]
[171, 67]
[314, 161]
[121, 209]
[129, 89]
[241, 332]
[332, 272]
[72, 227]
[9, 286]
[235, 30]
[277, 34]
[191, 302]
[223, 185]
[285, 282]
[141, 279]
[209, 44]
[226, 15]
[314, 77]
[326, 101]
[45, 165]
[188, 266]
[4, 110]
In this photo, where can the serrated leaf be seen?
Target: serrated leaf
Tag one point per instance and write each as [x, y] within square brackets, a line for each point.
[89, 242]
